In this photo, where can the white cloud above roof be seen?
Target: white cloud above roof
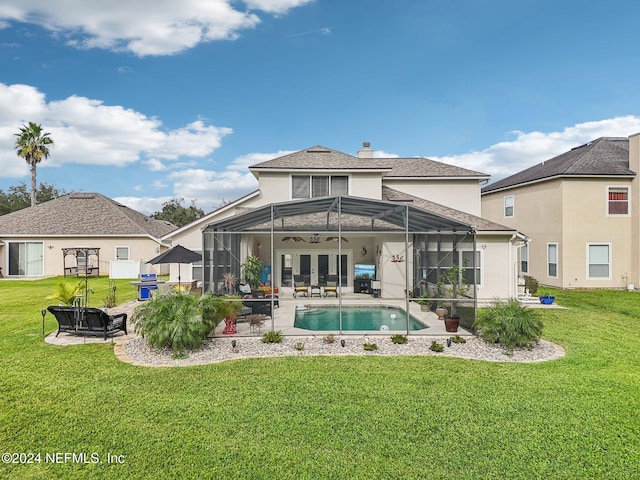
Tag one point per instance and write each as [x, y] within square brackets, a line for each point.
[528, 148]
[143, 27]
[88, 132]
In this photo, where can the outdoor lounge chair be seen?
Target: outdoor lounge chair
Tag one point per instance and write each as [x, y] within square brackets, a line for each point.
[66, 317]
[99, 322]
[331, 285]
[300, 285]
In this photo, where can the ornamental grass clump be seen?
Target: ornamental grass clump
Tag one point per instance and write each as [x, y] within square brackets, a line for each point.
[177, 321]
[510, 324]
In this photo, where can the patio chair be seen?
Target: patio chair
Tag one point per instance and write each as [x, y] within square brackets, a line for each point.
[66, 317]
[331, 285]
[300, 285]
[100, 322]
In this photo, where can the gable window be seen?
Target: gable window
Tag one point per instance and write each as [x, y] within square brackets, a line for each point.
[122, 253]
[599, 258]
[311, 186]
[508, 206]
[618, 201]
[524, 259]
[552, 259]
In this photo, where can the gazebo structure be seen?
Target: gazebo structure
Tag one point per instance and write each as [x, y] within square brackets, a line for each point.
[410, 249]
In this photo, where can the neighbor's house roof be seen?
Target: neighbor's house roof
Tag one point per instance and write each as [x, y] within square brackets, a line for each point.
[82, 214]
[606, 156]
[323, 158]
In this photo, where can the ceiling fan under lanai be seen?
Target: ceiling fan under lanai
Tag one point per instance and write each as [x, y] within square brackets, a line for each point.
[293, 239]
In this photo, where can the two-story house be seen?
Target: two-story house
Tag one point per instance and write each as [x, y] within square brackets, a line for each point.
[580, 210]
[401, 222]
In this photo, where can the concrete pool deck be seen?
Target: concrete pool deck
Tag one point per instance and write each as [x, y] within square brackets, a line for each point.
[284, 317]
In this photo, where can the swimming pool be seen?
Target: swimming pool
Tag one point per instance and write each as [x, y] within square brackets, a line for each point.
[355, 318]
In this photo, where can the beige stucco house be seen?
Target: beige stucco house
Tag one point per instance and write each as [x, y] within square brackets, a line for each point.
[320, 212]
[91, 229]
[580, 210]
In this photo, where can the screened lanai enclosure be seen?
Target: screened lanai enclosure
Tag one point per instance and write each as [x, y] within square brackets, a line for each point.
[343, 253]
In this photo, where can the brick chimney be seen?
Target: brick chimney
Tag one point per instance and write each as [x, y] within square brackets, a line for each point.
[365, 151]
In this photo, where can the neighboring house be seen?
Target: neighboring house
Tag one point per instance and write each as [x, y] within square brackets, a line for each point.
[580, 210]
[404, 220]
[93, 229]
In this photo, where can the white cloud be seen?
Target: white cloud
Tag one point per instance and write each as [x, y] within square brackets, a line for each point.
[147, 205]
[243, 162]
[143, 27]
[383, 154]
[527, 149]
[88, 132]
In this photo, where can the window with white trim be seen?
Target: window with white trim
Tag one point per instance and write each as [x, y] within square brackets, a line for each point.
[122, 253]
[25, 258]
[552, 259]
[508, 206]
[599, 260]
[524, 259]
[618, 201]
[311, 186]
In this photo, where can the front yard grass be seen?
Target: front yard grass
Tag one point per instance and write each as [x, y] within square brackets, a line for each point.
[326, 417]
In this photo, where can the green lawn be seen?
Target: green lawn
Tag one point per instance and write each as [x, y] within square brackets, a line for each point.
[321, 417]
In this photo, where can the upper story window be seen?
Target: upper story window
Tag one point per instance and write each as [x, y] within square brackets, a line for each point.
[310, 186]
[618, 201]
[508, 206]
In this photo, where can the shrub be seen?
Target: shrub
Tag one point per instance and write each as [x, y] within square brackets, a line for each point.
[330, 338]
[509, 324]
[67, 292]
[436, 347]
[300, 346]
[272, 337]
[531, 284]
[458, 339]
[399, 339]
[173, 321]
[370, 347]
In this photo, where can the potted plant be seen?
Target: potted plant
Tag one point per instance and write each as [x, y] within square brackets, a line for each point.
[251, 270]
[229, 309]
[547, 298]
[425, 305]
[453, 285]
[229, 282]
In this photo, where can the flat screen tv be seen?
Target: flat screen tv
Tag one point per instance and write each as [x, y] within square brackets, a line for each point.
[363, 270]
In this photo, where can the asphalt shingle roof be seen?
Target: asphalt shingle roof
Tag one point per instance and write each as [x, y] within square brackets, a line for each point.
[603, 156]
[82, 214]
[323, 158]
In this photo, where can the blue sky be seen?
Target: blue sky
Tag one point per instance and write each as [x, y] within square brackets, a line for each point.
[153, 99]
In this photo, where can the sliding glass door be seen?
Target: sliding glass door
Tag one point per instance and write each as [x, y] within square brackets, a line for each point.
[26, 259]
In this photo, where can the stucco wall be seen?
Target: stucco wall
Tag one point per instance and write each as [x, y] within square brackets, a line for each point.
[143, 248]
[571, 212]
[463, 195]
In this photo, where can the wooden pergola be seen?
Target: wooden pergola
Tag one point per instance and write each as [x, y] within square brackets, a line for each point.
[86, 267]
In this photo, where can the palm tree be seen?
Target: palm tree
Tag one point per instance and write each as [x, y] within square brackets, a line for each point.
[32, 144]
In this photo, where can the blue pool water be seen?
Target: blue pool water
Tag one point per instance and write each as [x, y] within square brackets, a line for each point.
[355, 318]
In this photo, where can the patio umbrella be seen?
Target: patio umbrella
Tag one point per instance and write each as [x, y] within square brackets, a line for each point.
[177, 254]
